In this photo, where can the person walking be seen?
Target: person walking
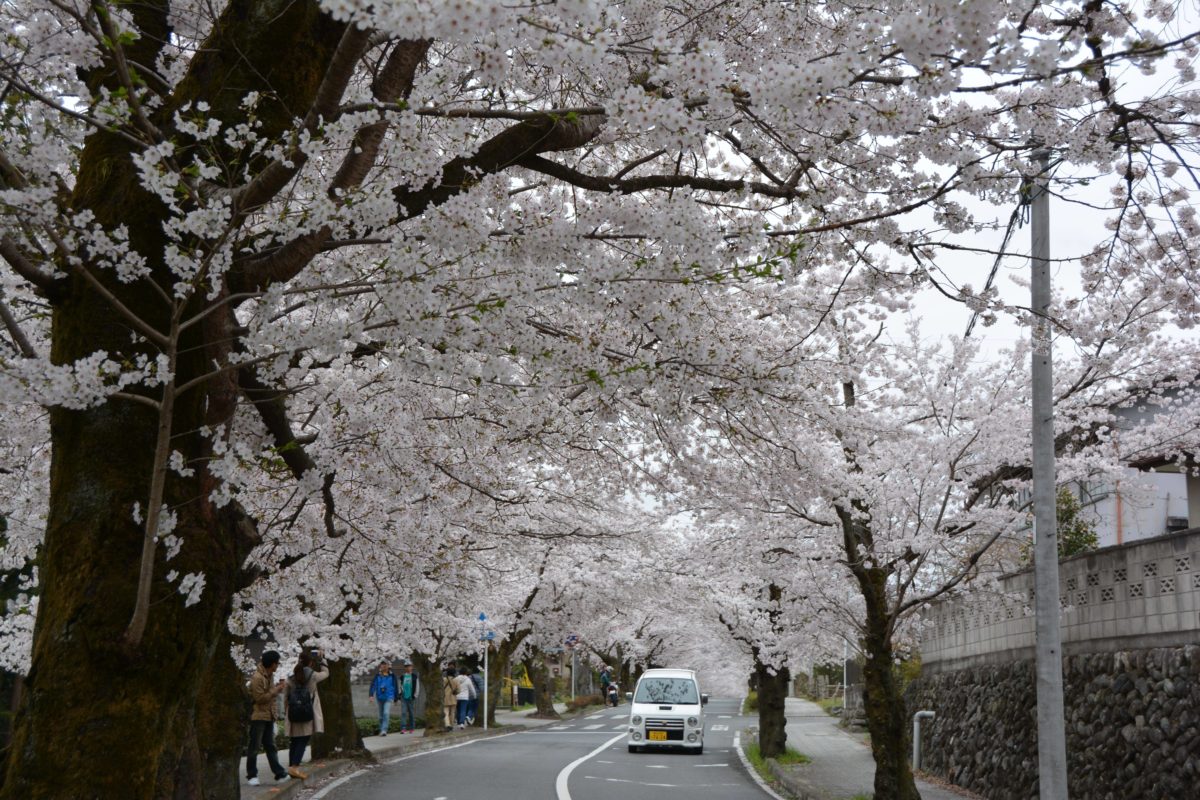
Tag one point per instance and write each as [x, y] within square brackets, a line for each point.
[449, 698]
[410, 689]
[384, 689]
[462, 697]
[263, 693]
[304, 716]
[473, 705]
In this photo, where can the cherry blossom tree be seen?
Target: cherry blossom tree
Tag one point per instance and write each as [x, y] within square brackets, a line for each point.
[902, 470]
[212, 213]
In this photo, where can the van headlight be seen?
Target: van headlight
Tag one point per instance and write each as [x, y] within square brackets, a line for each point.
[636, 721]
[693, 721]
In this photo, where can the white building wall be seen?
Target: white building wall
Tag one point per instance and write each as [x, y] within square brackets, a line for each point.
[1145, 501]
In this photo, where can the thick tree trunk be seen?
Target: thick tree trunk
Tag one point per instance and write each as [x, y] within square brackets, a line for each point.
[543, 685]
[772, 719]
[882, 700]
[431, 684]
[12, 687]
[341, 737]
[207, 760]
[499, 664]
[103, 718]
[224, 709]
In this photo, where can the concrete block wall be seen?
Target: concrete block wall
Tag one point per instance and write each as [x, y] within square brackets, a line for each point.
[1139, 595]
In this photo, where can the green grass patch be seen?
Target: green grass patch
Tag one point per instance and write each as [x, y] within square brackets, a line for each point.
[755, 755]
[827, 705]
[750, 703]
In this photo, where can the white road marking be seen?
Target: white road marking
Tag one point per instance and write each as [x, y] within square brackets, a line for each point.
[710, 765]
[620, 727]
[724, 716]
[657, 766]
[325, 790]
[593, 727]
[560, 783]
[559, 728]
[751, 771]
[626, 780]
[719, 728]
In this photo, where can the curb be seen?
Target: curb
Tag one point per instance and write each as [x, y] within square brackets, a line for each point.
[326, 768]
[750, 770]
[795, 786]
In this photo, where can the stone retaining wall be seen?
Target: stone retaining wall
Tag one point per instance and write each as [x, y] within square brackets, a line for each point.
[1140, 595]
[1133, 725]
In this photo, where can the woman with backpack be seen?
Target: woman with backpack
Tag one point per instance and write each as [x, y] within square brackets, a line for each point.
[303, 707]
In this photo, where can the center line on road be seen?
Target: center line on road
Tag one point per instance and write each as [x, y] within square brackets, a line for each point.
[593, 727]
[560, 783]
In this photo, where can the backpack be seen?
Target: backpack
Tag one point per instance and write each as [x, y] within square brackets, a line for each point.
[300, 704]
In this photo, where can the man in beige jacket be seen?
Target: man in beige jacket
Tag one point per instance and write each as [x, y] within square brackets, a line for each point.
[262, 718]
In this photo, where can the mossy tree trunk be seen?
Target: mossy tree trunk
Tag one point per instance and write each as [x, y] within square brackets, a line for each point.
[883, 702]
[499, 661]
[772, 719]
[543, 684]
[341, 736]
[431, 684]
[147, 721]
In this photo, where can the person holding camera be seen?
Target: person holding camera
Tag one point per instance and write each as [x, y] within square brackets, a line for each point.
[384, 689]
[262, 719]
[304, 716]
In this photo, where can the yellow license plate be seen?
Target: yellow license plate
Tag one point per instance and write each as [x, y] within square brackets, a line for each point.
[656, 736]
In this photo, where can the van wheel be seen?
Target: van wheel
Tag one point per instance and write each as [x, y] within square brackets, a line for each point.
[633, 748]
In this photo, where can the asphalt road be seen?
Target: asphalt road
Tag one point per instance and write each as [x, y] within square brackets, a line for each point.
[585, 758]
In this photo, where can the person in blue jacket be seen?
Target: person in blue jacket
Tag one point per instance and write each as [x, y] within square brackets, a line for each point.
[384, 689]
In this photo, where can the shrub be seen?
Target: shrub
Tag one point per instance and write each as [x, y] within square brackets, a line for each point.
[584, 700]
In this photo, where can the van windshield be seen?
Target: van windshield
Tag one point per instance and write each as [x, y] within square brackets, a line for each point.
[668, 691]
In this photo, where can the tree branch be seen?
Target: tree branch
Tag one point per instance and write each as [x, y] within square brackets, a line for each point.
[271, 408]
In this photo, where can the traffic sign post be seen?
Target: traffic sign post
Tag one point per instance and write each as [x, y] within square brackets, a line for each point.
[486, 637]
[570, 642]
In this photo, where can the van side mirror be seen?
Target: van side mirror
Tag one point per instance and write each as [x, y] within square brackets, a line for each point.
[629, 696]
[703, 699]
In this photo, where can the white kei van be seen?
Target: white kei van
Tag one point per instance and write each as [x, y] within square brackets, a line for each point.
[667, 710]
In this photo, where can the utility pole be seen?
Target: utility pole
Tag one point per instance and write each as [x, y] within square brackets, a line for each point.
[1051, 731]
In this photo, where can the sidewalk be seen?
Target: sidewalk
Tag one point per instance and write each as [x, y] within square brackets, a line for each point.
[382, 748]
[842, 766]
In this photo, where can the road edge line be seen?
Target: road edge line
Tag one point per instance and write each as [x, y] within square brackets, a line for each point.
[324, 790]
[560, 783]
[737, 746]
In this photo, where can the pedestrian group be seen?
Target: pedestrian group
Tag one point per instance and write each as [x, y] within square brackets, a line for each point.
[301, 706]
[302, 712]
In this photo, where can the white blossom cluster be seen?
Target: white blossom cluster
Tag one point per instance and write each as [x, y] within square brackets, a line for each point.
[591, 252]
